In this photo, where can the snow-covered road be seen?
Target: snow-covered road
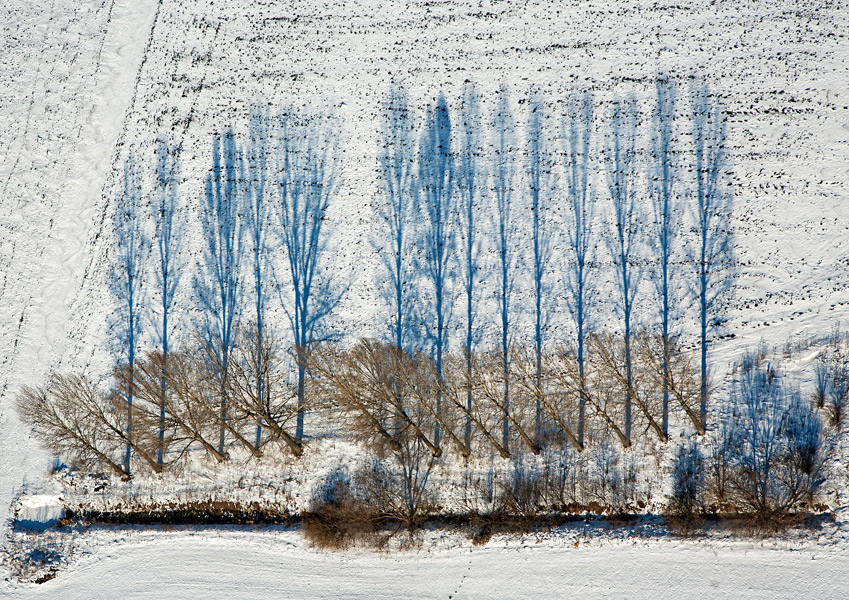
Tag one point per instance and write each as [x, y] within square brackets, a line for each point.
[233, 564]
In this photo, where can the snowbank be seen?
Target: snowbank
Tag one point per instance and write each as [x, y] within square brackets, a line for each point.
[38, 512]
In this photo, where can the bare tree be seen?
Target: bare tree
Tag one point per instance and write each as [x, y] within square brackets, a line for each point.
[272, 405]
[368, 383]
[461, 377]
[503, 226]
[489, 381]
[168, 265]
[219, 287]
[538, 172]
[308, 167]
[71, 417]
[470, 177]
[533, 375]
[666, 209]
[620, 156]
[192, 407]
[714, 259]
[126, 284]
[583, 384]
[580, 202]
[621, 368]
[672, 373]
[437, 180]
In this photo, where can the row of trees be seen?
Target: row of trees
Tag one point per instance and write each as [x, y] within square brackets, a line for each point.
[450, 197]
[270, 193]
[390, 400]
[765, 463]
[471, 213]
[765, 460]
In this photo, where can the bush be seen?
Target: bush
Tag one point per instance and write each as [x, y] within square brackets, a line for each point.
[718, 464]
[337, 518]
[481, 492]
[522, 491]
[821, 377]
[686, 503]
[561, 476]
[604, 481]
[838, 394]
[773, 447]
[398, 490]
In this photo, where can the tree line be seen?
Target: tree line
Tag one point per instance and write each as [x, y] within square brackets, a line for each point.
[478, 218]
[471, 213]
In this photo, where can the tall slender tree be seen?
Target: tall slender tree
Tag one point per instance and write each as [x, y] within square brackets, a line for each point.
[219, 287]
[714, 258]
[620, 157]
[504, 145]
[469, 183]
[257, 222]
[437, 179]
[168, 264]
[127, 283]
[536, 167]
[308, 164]
[666, 208]
[580, 204]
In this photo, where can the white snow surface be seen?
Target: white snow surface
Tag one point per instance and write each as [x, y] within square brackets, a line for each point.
[83, 83]
[66, 81]
[40, 509]
[237, 564]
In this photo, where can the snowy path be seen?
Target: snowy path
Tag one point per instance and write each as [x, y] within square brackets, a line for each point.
[281, 565]
[67, 80]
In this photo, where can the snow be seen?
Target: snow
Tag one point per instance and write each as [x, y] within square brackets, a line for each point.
[83, 83]
[39, 511]
[227, 564]
[67, 79]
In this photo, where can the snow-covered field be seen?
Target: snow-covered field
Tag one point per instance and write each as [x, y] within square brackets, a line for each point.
[82, 83]
[262, 564]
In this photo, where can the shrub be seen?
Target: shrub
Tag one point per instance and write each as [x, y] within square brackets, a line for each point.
[821, 377]
[604, 481]
[718, 463]
[838, 394]
[522, 490]
[398, 488]
[561, 476]
[337, 517]
[774, 447]
[481, 492]
[686, 502]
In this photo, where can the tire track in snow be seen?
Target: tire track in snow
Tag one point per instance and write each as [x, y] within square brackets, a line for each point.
[36, 82]
[99, 243]
[59, 83]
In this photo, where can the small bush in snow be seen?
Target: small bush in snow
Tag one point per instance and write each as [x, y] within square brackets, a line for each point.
[604, 484]
[821, 377]
[773, 447]
[481, 492]
[522, 490]
[838, 394]
[337, 516]
[686, 502]
[399, 489]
